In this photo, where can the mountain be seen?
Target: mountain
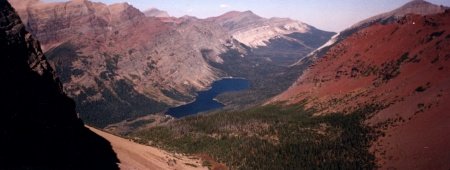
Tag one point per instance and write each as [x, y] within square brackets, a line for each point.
[257, 32]
[39, 127]
[400, 71]
[120, 65]
[253, 30]
[153, 12]
[375, 99]
[420, 7]
[115, 59]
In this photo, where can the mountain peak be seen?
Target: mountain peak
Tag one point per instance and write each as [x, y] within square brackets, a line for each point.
[121, 5]
[420, 7]
[248, 12]
[416, 3]
[232, 14]
[154, 12]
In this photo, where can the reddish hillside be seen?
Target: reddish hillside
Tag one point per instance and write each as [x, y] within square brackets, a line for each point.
[420, 7]
[403, 67]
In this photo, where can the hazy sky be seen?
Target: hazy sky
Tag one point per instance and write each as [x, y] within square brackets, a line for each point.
[329, 15]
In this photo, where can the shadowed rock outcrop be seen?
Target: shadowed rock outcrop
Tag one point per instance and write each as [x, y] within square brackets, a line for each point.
[39, 128]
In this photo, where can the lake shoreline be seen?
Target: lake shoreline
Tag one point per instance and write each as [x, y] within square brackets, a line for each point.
[206, 99]
[206, 89]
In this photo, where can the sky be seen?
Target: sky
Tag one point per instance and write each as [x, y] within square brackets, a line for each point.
[328, 15]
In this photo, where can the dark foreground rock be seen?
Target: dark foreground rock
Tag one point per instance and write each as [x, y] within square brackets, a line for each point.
[39, 128]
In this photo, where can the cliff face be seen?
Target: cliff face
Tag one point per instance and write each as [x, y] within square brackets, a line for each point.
[403, 70]
[39, 127]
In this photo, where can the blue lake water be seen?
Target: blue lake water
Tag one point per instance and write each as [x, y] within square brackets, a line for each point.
[205, 99]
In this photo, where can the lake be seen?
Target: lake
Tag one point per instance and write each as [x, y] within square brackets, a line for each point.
[205, 99]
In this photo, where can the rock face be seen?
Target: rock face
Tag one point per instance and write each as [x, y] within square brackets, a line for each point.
[400, 68]
[39, 127]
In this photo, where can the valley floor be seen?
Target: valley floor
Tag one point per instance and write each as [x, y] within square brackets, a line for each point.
[136, 156]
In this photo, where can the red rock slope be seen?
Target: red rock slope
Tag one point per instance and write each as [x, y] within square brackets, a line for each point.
[404, 67]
